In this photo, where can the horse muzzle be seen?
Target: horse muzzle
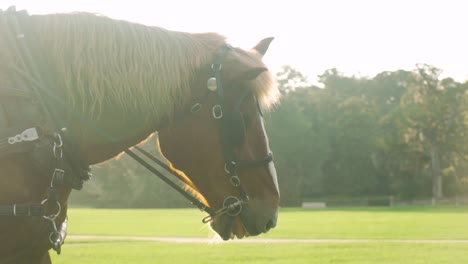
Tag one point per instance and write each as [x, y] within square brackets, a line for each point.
[258, 221]
[251, 221]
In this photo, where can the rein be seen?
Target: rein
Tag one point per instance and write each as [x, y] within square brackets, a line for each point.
[202, 206]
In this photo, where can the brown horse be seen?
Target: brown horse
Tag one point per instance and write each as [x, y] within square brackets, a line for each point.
[111, 84]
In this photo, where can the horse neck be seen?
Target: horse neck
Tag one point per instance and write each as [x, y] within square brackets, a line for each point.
[93, 152]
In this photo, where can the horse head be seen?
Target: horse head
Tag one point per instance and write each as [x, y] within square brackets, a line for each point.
[221, 144]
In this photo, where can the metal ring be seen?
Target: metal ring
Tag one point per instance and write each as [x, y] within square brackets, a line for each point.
[235, 181]
[60, 155]
[195, 108]
[52, 217]
[60, 237]
[59, 140]
[217, 111]
[58, 143]
[236, 205]
[230, 163]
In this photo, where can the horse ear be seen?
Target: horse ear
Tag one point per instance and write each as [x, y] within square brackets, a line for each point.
[246, 66]
[263, 45]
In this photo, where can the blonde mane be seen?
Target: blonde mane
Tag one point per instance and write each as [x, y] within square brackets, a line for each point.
[99, 61]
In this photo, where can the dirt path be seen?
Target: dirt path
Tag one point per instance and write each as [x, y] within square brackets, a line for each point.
[262, 240]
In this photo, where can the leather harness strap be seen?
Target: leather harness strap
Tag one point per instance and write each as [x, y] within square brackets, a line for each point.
[22, 210]
[17, 37]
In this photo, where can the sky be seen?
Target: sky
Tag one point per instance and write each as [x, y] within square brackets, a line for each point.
[358, 37]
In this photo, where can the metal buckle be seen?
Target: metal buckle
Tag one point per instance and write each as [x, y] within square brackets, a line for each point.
[57, 177]
[216, 67]
[207, 219]
[15, 212]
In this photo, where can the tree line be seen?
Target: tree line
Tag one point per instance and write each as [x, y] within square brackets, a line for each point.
[400, 133]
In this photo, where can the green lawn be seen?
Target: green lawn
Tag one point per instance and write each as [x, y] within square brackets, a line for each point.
[231, 253]
[397, 223]
[381, 223]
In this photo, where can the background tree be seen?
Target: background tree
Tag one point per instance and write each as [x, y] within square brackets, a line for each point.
[435, 112]
[295, 132]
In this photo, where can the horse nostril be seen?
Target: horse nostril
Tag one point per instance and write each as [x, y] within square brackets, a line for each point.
[271, 224]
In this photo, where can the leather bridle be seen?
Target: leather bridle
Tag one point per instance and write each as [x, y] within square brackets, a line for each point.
[228, 121]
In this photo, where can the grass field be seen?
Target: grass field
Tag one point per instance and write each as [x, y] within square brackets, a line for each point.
[434, 223]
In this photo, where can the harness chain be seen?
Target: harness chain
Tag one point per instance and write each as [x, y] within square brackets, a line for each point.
[17, 20]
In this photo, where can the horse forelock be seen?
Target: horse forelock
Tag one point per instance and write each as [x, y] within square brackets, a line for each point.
[99, 61]
[266, 90]
[264, 86]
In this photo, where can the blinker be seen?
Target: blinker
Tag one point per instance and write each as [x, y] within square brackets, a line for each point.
[212, 84]
[233, 129]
